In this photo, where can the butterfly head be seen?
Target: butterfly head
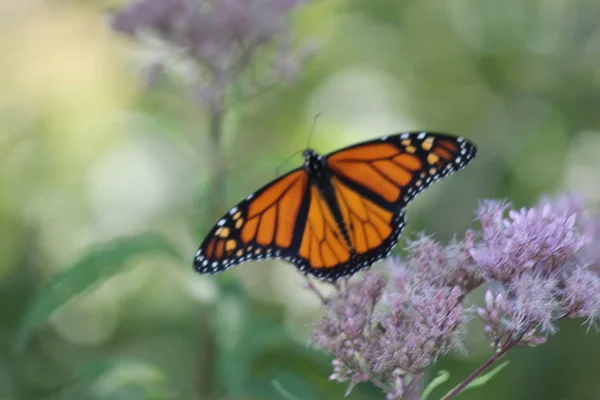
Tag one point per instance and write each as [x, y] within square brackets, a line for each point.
[314, 163]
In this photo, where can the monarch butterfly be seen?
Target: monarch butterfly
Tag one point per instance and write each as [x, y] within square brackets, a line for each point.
[340, 212]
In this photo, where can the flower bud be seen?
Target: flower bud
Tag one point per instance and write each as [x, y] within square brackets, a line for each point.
[495, 315]
[483, 314]
[489, 300]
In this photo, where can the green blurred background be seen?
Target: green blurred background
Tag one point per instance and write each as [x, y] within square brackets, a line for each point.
[87, 156]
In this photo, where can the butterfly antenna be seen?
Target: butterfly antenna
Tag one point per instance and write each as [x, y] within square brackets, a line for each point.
[312, 129]
[278, 170]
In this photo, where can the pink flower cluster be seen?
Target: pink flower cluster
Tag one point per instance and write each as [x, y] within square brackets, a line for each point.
[222, 38]
[538, 266]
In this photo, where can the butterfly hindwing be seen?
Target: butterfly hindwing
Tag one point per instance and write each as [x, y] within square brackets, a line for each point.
[372, 232]
[322, 245]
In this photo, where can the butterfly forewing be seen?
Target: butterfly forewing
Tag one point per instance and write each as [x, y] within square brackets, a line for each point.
[392, 170]
[261, 226]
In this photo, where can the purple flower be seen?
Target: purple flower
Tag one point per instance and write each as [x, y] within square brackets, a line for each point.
[222, 38]
[565, 204]
[173, 20]
[543, 237]
[490, 314]
[531, 303]
[427, 326]
[590, 253]
[347, 329]
[530, 260]
[533, 260]
[449, 265]
[580, 294]
[392, 333]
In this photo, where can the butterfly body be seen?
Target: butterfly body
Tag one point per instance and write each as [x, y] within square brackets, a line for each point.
[319, 175]
[338, 213]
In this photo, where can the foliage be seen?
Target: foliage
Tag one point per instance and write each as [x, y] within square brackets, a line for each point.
[96, 266]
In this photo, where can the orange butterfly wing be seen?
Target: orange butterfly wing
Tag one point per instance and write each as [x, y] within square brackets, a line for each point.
[330, 250]
[323, 244]
[374, 181]
[261, 226]
[396, 168]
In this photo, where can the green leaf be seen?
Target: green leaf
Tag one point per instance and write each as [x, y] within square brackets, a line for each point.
[116, 378]
[243, 331]
[98, 264]
[237, 336]
[283, 392]
[128, 379]
[437, 381]
[485, 378]
[301, 371]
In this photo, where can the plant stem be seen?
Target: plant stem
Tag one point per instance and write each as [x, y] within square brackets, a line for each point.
[311, 286]
[377, 382]
[508, 345]
[217, 163]
[206, 357]
[412, 391]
